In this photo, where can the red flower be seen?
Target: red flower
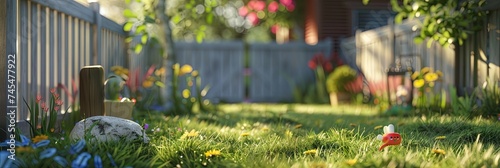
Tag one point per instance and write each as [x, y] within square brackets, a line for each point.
[273, 7]
[252, 17]
[274, 28]
[257, 5]
[243, 11]
[320, 60]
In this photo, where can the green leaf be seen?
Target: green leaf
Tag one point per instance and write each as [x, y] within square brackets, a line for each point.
[144, 39]
[149, 19]
[127, 1]
[399, 18]
[365, 2]
[395, 6]
[443, 40]
[418, 40]
[429, 43]
[128, 26]
[129, 39]
[140, 29]
[460, 42]
[129, 14]
[446, 34]
[199, 37]
[138, 48]
[176, 19]
[210, 18]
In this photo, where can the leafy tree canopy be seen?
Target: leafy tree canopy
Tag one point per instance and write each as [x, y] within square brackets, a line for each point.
[444, 21]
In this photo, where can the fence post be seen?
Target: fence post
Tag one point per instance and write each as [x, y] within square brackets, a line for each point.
[91, 91]
[8, 69]
[96, 34]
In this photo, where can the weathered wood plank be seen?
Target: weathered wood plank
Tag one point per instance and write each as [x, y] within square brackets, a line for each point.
[68, 7]
[91, 91]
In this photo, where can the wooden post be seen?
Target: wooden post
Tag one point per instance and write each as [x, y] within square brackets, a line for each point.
[92, 91]
[96, 34]
[8, 69]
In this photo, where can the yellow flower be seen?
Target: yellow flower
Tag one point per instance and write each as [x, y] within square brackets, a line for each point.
[186, 93]
[415, 75]
[351, 162]
[160, 72]
[245, 134]
[147, 84]
[185, 69]
[439, 73]
[116, 68]
[439, 151]
[191, 134]
[211, 153]
[378, 127]
[431, 77]
[440, 137]
[418, 83]
[298, 126]
[22, 149]
[424, 70]
[311, 152]
[39, 138]
[195, 73]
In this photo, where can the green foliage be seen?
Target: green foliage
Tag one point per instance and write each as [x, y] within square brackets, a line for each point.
[462, 106]
[185, 102]
[43, 115]
[139, 24]
[339, 78]
[490, 99]
[444, 21]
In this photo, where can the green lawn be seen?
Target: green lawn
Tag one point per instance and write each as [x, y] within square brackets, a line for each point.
[258, 135]
[283, 135]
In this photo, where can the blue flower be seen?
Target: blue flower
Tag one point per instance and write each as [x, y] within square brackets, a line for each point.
[5, 161]
[41, 143]
[111, 160]
[81, 160]
[76, 148]
[25, 141]
[97, 161]
[47, 153]
[61, 161]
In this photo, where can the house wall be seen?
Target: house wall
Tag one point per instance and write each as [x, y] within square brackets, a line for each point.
[337, 19]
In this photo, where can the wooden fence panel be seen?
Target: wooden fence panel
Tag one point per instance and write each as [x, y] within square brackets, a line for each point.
[56, 39]
[220, 66]
[375, 52]
[275, 68]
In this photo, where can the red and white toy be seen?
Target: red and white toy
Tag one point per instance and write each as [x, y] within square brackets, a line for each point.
[390, 137]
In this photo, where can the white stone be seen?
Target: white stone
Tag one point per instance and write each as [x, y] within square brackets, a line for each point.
[108, 128]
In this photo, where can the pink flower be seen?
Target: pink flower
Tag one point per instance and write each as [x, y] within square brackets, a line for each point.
[273, 7]
[257, 5]
[252, 17]
[38, 98]
[59, 102]
[274, 28]
[290, 8]
[243, 11]
[42, 104]
[53, 90]
[286, 2]
[56, 96]
[56, 108]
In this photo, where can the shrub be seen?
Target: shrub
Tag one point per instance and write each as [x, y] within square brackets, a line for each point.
[340, 77]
